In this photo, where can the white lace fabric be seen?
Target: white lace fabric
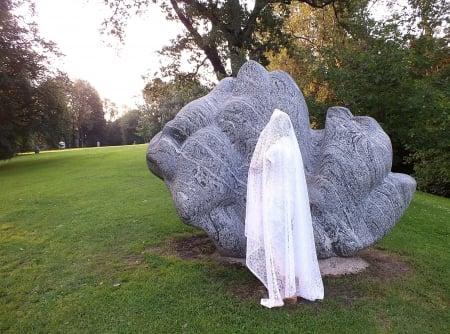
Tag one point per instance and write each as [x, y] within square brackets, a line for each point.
[280, 242]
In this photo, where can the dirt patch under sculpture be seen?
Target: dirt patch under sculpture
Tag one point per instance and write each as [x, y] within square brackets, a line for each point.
[371, 264]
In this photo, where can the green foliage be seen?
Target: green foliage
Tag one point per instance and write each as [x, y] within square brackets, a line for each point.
[432, 170]
[380, 69]
[34, 101]
[113, 133]
[126, 129]
[128, 126]
[88, 261]
[226, 33]
[164, 100]
[55, 119]
[402, 81]
[21, 67]
[87, 115]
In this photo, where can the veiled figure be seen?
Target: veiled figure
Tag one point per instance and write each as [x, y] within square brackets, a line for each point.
[280, 240]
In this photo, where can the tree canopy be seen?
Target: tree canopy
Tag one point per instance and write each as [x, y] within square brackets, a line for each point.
[163, 100]
[222, 34]
[395, 70]
[21, 70]
[39, 106]
[88, 119]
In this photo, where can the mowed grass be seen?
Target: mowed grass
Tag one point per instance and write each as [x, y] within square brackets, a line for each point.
[78, 230]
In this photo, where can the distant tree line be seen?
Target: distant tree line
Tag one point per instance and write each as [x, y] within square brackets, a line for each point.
[40, 106]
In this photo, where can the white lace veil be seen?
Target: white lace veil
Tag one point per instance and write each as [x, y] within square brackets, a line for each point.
[280, 241]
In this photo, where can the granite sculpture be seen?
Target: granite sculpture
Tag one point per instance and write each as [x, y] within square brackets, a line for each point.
[203, 156]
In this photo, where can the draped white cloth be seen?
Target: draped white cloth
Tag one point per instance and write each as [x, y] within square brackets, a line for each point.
[280, 242]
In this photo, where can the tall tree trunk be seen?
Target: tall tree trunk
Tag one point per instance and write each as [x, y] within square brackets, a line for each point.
[237, 58]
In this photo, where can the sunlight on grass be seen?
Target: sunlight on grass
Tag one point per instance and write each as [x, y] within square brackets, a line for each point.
[85, 247]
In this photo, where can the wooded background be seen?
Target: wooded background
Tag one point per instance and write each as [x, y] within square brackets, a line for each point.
[393, 67]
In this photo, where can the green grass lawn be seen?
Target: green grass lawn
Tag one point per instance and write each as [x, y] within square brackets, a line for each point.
[87, 246]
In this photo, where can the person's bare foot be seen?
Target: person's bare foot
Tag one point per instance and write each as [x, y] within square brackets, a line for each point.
[290, 300]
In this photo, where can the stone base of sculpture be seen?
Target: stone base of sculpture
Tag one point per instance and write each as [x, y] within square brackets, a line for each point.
[331, 266]
[204, 154]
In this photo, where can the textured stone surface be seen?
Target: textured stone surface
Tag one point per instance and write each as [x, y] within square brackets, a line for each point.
[203, 155]
[337, 266]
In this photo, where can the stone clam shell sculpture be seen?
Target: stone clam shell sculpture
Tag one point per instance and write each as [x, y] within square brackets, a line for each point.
[203, 156]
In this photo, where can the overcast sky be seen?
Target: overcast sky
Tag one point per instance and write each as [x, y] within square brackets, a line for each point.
[74, 25]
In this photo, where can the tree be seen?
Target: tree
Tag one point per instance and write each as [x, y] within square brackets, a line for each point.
[313, 30]
[111, 109]
[219, 32]
[113, 136]
[163, 100]
[52, 104]
[148, 122]
[381, 69]
[22, 67]
[128, 124]
[401, 79]
[123, 131]
[429, 58]
[88, 121]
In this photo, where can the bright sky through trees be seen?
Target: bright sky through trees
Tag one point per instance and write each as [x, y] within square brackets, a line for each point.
[116, 73]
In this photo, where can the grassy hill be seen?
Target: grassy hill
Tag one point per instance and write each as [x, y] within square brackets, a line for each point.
[90, 243]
